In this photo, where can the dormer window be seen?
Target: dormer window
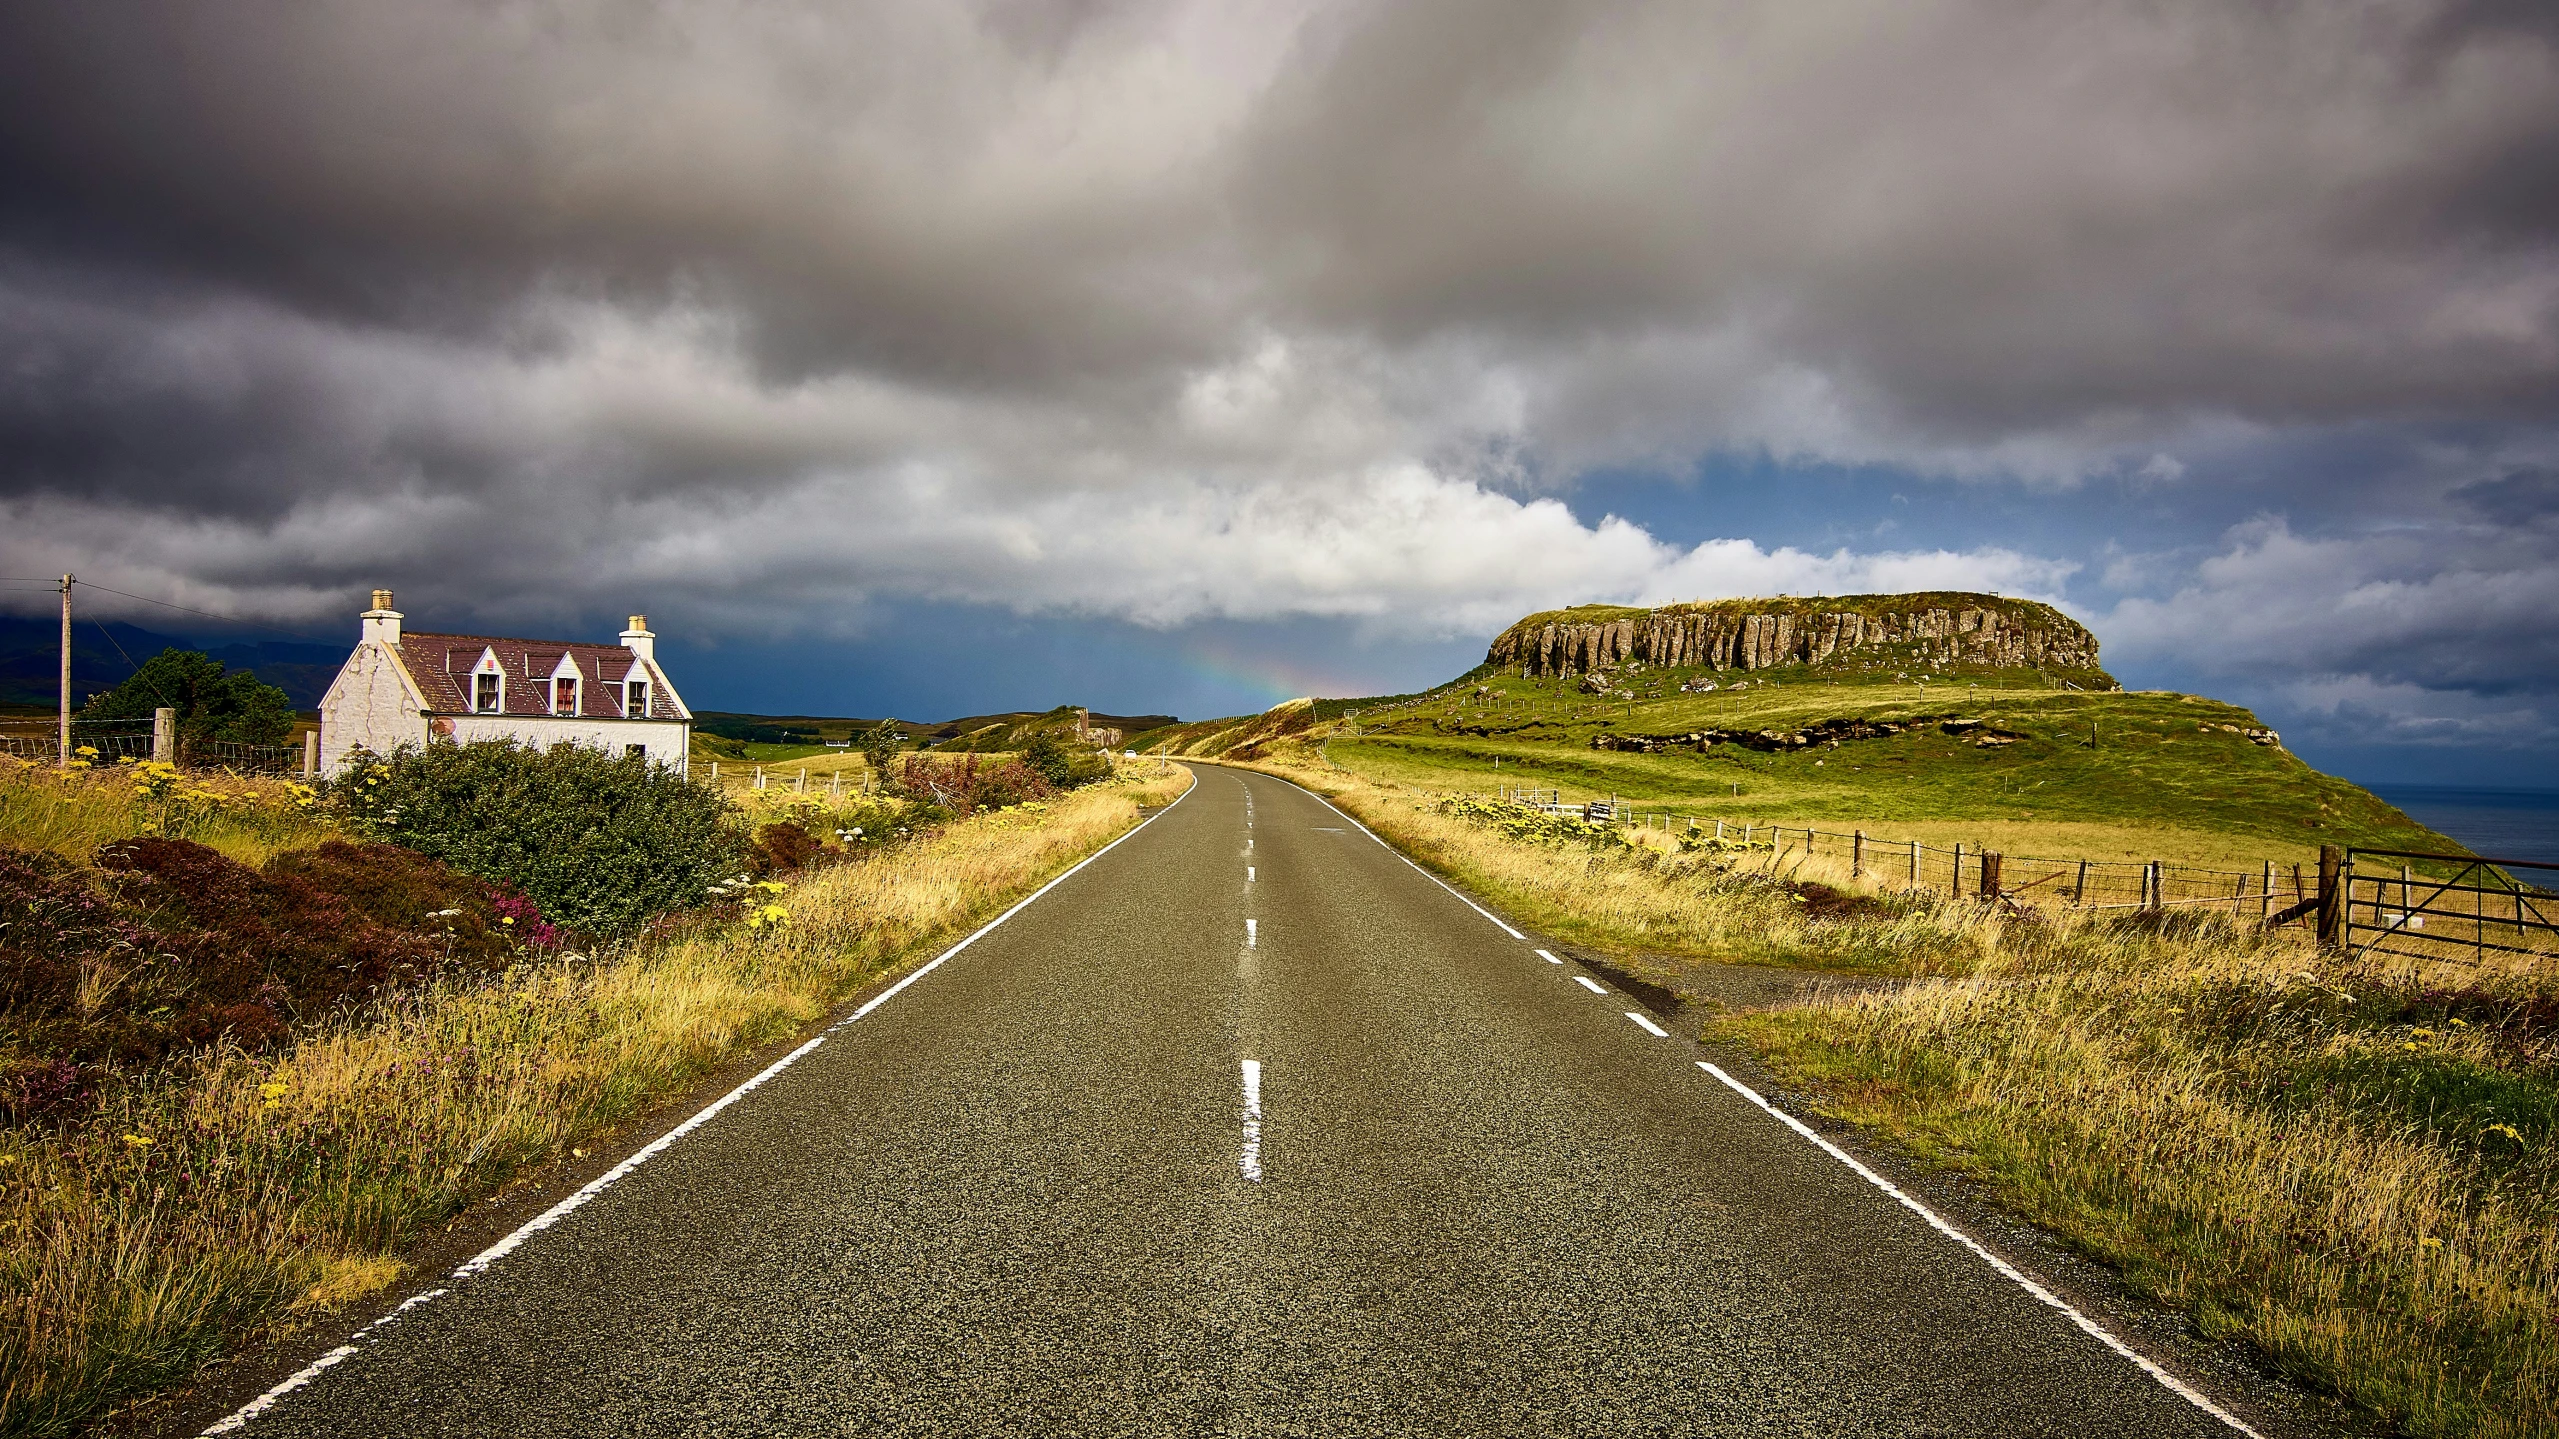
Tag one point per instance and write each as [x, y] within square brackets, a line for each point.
[635, 699]
[486, 695]
[564, 696]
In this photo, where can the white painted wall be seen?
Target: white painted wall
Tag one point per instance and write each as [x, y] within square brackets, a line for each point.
[368, 705]
[665, 739]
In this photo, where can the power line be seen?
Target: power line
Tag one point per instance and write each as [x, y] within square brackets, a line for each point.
[128, 659]
[208, 614]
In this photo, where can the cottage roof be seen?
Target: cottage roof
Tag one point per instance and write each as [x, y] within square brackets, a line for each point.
[442, 666]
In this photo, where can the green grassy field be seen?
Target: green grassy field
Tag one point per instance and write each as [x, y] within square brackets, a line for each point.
[2067, 773]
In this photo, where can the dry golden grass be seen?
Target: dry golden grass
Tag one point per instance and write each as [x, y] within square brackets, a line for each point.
[230, 1197]
[68, 814]
[2353, 1167]
[2331, 1163]
[1647, 905]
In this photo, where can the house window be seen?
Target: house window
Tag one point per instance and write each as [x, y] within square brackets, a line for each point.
[484, 693]
[635, 751]
[636, 701]
[564, 697]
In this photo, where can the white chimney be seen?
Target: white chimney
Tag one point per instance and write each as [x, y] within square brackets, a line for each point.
[382, 622]
[638, 640]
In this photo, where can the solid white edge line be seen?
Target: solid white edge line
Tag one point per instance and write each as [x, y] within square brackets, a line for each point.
[1550, 959]
[480, 1262]
[1655, 1030]
[1586, 982]
[313, 1370]
[2090, 1326]
[1399, 854]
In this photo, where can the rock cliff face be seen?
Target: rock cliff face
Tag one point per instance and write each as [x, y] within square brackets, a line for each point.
[1853, 631]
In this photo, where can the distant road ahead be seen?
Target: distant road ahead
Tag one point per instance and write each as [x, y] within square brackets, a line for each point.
[1247, 1128]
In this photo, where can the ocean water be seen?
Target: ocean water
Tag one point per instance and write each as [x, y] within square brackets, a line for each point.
[2498, 823]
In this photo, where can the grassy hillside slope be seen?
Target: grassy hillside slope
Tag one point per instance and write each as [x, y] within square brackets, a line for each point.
[1978, 754]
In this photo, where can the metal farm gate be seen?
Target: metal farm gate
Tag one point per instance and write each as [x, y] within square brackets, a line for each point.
[2443, 907]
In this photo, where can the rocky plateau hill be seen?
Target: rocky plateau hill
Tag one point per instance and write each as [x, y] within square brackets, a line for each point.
[1927, 633]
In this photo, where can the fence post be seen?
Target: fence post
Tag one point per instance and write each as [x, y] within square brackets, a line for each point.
[2266, 899]
[759, 776]
[1955, 876]
[1990, 887]
[1857, 855]
[311, 754]
[2332, 894]
[1914, 864]
[2079, 892]
[164, 735]
[2158, 895]
[803, 786]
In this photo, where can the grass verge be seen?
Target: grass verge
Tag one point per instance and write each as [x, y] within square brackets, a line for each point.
[2350, 1170]
[234, 1197]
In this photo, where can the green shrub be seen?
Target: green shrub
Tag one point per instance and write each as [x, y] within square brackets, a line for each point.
[1046, 754]
[601, 842]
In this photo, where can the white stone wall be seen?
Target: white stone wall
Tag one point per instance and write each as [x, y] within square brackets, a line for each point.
[665, 739]
[367, 705]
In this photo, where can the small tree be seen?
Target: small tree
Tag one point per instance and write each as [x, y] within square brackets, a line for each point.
[602, 842]
[879, 750]
[212, 703]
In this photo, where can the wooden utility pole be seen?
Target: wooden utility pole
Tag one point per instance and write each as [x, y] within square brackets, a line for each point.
[64, 758]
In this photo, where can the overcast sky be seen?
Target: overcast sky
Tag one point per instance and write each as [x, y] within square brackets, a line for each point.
[946, 357]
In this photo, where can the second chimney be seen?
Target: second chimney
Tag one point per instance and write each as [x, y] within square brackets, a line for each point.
[382, 622]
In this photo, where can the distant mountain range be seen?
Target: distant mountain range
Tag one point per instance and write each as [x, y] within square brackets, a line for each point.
[104, 654]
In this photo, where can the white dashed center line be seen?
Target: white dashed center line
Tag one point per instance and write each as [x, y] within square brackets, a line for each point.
[1550, 959]
[1252, 1161]
[1252, 933]
[1655, 1030]
[1248, 874]
[1586, 982]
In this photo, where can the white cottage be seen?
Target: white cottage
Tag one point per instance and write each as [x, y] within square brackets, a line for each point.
[409, 688]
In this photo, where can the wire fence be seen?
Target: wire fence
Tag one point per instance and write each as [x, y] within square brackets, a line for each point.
[839, 782]
[2264, 892]
[109, 742]
[2277, 892]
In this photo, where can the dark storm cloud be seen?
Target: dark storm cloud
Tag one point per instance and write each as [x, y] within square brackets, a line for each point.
[1165, 311]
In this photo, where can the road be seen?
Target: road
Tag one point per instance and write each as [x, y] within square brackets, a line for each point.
[1247, 1127]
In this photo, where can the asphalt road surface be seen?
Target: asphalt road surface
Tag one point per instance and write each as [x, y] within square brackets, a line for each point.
[1248, 1127]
